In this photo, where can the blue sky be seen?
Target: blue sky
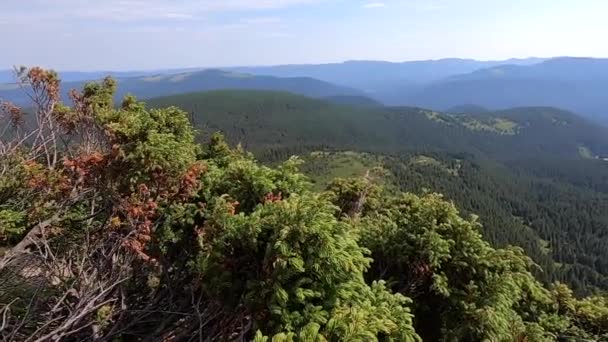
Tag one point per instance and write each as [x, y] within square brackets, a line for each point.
[148, 34]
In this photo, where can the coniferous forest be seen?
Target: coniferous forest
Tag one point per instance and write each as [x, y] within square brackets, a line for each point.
[121, 222]
[534, 176]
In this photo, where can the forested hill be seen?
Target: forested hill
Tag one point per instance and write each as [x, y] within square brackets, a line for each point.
[260, 119]
[353, 100]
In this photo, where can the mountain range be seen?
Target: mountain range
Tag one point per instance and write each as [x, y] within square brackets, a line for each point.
[574, 84]
[211, 79]
[366, 75]
[8, 76]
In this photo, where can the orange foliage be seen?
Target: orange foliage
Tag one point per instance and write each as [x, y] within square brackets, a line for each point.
[271, 198]
[14, 113]
[190, 181]
[84, 169]
[46, 81]
[232, 207]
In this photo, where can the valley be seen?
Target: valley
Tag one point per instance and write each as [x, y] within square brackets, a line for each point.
[520, 169]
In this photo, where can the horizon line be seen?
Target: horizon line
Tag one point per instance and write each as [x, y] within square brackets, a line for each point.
[197, 68]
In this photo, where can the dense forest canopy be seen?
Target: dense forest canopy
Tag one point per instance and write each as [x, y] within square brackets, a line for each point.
[115, 224]
[264, 120]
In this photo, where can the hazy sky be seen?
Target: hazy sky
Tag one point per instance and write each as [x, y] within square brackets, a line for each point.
[147, 34]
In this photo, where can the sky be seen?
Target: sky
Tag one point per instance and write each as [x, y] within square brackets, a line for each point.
[155, 34]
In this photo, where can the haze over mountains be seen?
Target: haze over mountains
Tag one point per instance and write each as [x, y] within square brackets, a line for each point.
[8, 76]
[574, 84]
[154, 85]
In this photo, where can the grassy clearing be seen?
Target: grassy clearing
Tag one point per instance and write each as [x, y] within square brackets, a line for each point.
[427, 161]
[323, 167]
[495, 125]
[438, 117]
[585, 152]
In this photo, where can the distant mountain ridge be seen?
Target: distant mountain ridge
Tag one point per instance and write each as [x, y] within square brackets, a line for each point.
[575, 84]
[8, 76]
[205, 80]
[366, 75]
[361, 74]
[568, 68]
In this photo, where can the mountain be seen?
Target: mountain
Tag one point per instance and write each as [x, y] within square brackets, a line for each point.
[352, 73]
[369, 75]
[163, 85]
[218, 79]
[8, 76]
[565, 68]
[575, 84]
[262, 119]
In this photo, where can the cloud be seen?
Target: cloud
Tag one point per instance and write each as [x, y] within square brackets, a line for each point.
[276, 35]
[374, 5]
[261, 20]
[417, 5]
[179, 16]
[426, 5]
[136, 10]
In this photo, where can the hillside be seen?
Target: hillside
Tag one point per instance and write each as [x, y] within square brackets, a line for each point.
[575, 84]
[565, 68]
[520, 203]
[353, 100]
[260, 119]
